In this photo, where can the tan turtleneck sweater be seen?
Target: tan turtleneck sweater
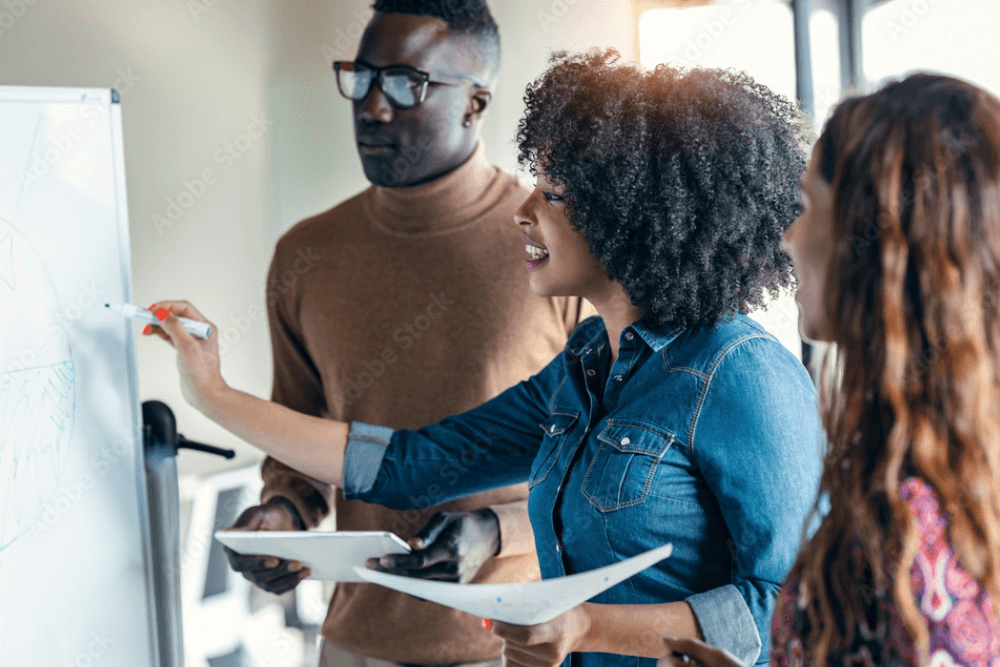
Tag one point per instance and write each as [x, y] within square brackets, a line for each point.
[399, 307]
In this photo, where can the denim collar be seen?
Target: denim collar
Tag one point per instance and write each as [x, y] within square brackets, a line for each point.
[593, 337]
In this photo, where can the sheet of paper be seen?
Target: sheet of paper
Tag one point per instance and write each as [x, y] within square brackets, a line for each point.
[526, 603]
[332, 556]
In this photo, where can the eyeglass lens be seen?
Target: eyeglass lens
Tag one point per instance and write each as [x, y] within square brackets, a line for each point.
[400, 86]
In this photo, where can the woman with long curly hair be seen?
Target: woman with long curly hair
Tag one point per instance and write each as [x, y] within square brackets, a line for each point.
[661, 197]
[898, 254]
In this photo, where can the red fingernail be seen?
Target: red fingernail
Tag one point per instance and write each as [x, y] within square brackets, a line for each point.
[162, 314]
[149, 327]
[488, 624]
[151, 307]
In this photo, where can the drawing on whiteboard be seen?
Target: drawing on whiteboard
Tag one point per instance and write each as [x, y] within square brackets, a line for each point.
[37, 386]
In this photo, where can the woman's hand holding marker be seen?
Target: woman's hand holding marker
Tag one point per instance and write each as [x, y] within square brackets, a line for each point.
[197, 359]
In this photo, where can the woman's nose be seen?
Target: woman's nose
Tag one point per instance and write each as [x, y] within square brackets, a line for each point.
[521, 216]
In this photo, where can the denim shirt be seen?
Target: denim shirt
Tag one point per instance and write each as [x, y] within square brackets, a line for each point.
[706, 438]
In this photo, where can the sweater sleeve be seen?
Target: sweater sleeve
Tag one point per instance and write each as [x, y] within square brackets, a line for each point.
[296, 385]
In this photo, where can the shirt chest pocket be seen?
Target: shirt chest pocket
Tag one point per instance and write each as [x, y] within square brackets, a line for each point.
[622, 471]
[555, 429]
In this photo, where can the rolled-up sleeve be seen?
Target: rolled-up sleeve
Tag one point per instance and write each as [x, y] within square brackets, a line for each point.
[758, 443]
[488, 447]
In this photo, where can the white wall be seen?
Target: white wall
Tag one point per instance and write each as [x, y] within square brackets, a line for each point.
[192, 77]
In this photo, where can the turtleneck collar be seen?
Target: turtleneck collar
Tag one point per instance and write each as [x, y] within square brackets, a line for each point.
[444, 204]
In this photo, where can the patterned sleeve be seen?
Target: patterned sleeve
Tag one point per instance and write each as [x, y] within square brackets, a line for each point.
[959, 611]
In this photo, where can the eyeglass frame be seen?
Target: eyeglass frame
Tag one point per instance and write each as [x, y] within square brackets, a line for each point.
[425, 79]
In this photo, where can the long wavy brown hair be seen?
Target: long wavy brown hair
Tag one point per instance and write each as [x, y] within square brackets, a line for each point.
[911, 302]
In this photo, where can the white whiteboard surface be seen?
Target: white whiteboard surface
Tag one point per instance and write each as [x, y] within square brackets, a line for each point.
[75, 576]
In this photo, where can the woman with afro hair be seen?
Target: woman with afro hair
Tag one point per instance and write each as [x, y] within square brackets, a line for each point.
[661, 197]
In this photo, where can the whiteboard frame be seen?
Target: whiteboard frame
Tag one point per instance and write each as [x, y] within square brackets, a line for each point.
[110, 98]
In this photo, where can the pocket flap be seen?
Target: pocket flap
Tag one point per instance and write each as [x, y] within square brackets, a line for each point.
[636, 438]
[559, 422]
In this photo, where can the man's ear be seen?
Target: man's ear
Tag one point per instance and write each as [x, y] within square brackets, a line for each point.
[478, 103]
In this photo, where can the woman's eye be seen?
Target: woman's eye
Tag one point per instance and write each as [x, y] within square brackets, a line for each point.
[550, 196]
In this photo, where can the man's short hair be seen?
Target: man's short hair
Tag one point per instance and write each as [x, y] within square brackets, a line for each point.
[471, 18]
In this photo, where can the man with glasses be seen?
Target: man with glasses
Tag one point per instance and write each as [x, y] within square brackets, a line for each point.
[407, 303]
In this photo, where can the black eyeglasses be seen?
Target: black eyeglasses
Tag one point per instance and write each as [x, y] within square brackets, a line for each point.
[405, 87]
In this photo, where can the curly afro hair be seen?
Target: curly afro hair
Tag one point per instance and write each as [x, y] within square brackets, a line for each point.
[682, 181]
[465, 17]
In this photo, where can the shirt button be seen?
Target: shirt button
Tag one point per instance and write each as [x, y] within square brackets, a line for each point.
[619, 378]
[591, 372]
[625, 440]
[558, 548]
[628, 335]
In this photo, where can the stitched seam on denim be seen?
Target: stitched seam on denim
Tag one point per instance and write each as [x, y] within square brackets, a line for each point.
[371, 439]
[629, 424]
[704, 392]
[557, 448]
[552, 401]
[645, 489]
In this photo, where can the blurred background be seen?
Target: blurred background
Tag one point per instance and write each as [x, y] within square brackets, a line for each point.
[246, 89]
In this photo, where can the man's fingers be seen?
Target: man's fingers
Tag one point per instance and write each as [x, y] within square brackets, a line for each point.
[244, 563]
[286, 583]
[430, 532]
[436, 553]
[447, 571]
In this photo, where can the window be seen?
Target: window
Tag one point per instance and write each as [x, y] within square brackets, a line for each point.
[954, 37]
[755, 36]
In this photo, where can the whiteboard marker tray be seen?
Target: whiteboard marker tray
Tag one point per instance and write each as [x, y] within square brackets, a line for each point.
[331, 555]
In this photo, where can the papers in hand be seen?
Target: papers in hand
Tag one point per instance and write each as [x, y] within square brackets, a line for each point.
[526, 603]
[332, 556]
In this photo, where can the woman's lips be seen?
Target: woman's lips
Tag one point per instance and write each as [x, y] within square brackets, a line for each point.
[536, 253]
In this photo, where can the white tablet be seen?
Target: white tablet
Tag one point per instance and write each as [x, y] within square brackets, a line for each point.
[331, 555]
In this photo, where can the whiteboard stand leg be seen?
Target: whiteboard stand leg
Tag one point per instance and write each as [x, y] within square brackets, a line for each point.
[160, 443]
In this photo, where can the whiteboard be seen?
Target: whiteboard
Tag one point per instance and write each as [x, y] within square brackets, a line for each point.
[75, 571]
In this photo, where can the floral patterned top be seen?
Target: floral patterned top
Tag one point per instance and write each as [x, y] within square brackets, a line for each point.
[962, 624]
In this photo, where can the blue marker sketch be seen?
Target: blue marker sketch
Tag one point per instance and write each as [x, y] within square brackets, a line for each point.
[37, 387]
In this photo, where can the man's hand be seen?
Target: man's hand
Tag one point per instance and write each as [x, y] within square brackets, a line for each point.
[451, 547]
[545, 644]
[271, 573]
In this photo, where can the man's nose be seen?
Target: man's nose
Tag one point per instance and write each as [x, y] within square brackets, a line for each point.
[375, 108]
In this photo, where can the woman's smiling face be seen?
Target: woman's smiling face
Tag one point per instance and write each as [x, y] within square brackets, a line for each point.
[559, 256]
